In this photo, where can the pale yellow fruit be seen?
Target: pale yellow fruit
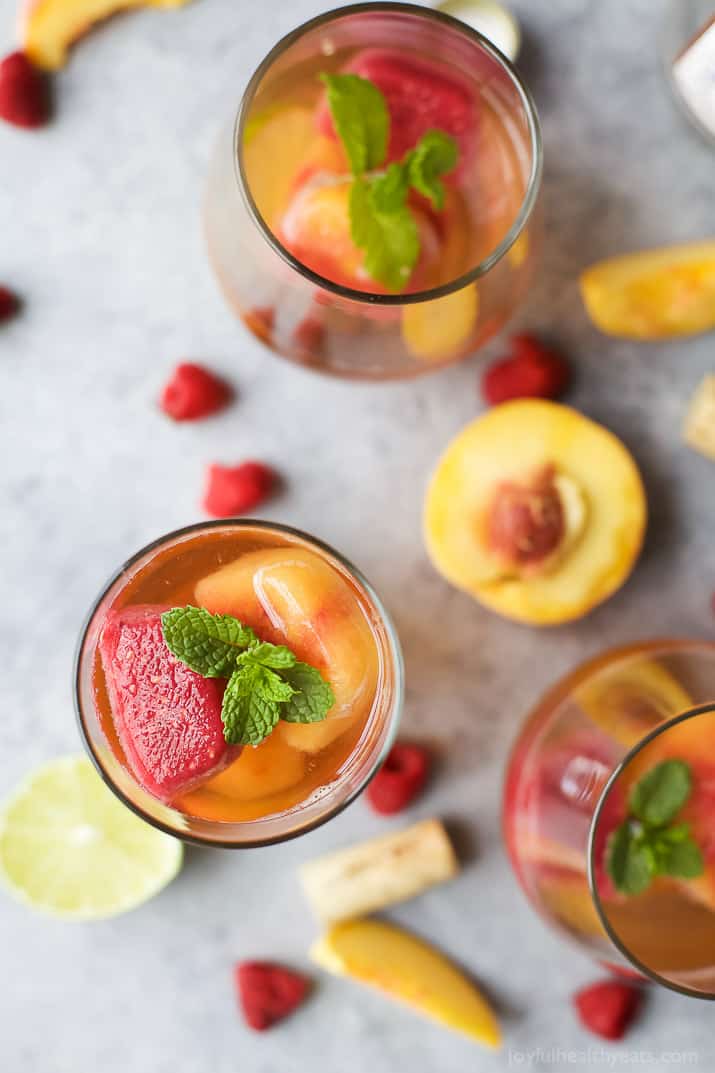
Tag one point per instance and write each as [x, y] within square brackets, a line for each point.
[441, 328]
[409, 970]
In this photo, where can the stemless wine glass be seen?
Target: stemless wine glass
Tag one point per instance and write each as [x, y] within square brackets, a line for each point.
[163, 574]
[567, 788]
[487, 248]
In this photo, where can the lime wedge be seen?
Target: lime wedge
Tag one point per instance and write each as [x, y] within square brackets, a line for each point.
[68, 847]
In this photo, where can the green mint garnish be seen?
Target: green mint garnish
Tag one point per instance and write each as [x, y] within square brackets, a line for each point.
[265, 682]
[381, 221]
[361, 119]
[648, 844]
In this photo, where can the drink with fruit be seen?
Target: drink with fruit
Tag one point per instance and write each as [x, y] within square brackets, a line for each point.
[238, 683]
[609, 810]
[371, 213]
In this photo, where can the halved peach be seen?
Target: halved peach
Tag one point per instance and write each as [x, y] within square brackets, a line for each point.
[656, 294]
[49, 27]
[536, 511]
[290, 596]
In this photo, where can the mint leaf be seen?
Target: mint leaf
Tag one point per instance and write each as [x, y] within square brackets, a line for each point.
[248, 713]
[208, 644]
[389, 190]
[361, 119]
[683, 859]
[275, 656]
[629, 859]
[435, 154]
[390, 239]
[659, 795]
[313, 697]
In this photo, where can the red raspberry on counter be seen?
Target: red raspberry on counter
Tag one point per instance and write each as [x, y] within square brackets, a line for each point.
[608, 1008]
[267, 992]
[194, 392]
[234, 490]
[24, 92]
[532, 371]
[9, 303]
[400, 779]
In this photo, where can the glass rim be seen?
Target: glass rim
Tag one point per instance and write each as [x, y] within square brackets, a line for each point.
[532, 185]
[646, 971]
[393, 644]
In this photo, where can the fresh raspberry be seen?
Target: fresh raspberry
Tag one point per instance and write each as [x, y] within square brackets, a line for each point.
[24, 92]
[9, 304]
[236, 489]
[308, 337]
[532, 371]
[400, 779]
[267, 993]
[193, 392]
[261, 321]
[608, 1008]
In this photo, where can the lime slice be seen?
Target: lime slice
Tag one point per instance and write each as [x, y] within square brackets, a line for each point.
[70, 848]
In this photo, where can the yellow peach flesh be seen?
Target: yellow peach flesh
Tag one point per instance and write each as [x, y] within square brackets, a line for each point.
[656, 294]
[49, 27]
[519, 438]
[290, 596]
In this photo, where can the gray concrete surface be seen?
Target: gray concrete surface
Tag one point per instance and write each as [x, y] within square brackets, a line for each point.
[100, 231]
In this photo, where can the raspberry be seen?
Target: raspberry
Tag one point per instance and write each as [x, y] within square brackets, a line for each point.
[532, 371]
[608, 1008]
[308, 337]
[24, 92]
[9, 304]
[193, 392]
[267, 992]
[400, 779]
[236, 489]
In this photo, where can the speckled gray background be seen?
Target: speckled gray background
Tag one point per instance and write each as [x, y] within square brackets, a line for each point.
[99, 229]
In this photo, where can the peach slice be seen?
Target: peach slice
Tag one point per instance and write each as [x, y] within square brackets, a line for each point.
[409, 970]
[290, 596]
[631, 699]
[536, 511]
[49, 27]
[566, 896]
[284, 132]
[269, 768]
[316, 229]
[656, 294]
[441, 328]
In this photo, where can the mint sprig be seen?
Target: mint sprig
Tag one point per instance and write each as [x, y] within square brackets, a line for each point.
[381, 222]
[648, 844]
[266, 682]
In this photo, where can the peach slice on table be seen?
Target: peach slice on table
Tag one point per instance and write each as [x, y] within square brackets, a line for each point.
[290, 596]
[536, 511]
[411, 971]
[631, 699]
[49, 27]
[655, 294]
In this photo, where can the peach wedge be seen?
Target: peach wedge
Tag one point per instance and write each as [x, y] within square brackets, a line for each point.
[656, 294]
[536, 511]
[409, 970]
[49, 27]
